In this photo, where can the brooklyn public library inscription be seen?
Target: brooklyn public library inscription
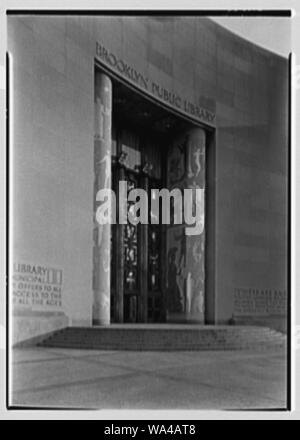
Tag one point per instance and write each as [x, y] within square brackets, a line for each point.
[36, 287]
[152, 88]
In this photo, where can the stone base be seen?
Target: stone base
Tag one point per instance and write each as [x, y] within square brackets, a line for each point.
[29, 328]
[276, 322]
[100, 322]
[167, 337]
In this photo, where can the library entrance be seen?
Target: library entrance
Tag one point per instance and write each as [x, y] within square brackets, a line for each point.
[136, 258]
[155, 272]
[137, 251]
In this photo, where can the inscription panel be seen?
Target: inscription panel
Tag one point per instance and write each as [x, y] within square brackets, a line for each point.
[37, 287]
[259, 302]
[169, 97]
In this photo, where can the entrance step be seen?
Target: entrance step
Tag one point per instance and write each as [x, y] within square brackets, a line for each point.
[166, 337]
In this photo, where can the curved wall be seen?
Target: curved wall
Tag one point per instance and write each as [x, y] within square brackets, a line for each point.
[234, 88]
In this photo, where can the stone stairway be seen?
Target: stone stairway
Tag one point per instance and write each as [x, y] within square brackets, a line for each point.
[166, 337]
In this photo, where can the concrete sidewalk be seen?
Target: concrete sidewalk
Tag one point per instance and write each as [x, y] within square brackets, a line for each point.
[148, 380]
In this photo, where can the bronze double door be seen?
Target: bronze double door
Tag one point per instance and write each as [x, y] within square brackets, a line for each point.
[137, 251]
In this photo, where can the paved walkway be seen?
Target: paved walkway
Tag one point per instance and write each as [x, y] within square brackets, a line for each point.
[148, 380]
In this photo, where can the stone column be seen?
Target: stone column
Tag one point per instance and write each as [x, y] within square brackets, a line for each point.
[102, 170]
[186, 254]
[119, 294]
[195, 244]
[143, 262]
